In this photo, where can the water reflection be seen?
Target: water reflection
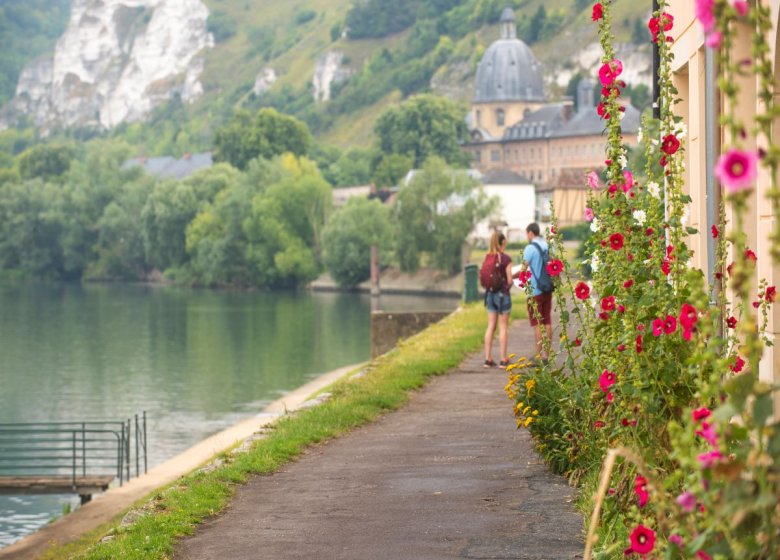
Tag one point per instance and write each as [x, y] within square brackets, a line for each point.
[197, 361]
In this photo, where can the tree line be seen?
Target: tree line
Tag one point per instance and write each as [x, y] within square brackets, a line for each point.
[261, 216]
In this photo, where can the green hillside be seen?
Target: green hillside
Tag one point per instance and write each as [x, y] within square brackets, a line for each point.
[391, 50]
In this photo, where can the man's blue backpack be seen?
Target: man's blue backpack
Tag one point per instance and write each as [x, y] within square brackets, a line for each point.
[543, 280]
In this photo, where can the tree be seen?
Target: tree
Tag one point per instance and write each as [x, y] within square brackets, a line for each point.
[424, 126]
[435, 213]
[391, 169]
[267, 134]
[45, 161]
[348, 238]
[352, 168]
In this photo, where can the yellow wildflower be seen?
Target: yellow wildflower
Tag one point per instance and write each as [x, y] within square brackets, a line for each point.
[528, 421]
[535, 413]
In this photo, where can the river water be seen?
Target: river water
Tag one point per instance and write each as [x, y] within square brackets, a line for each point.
[196, 361]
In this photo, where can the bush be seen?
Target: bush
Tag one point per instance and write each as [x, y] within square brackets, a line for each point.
[221, 25]
[305, 16]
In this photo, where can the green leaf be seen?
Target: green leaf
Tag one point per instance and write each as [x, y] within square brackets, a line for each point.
[762, 409]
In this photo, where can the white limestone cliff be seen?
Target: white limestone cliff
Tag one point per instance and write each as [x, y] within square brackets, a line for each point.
[116, 61]
[328, 71]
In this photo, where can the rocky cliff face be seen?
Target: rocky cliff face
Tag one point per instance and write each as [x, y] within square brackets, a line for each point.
[116, 61]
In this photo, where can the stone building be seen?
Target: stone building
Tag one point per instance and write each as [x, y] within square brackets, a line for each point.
[695, 77]
[513, 126]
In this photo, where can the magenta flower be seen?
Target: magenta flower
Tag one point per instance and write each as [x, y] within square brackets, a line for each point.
[707, 460]
[737, 169]
[741, 6]
[714, 39]
[687, 501]
[704, 13]
[589, 215]
[593, 180]
[676, 540]
[607, 380]
[708, 433]
[609, 72]
[658, 327]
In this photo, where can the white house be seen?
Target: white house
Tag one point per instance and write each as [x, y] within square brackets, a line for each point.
[517, 205]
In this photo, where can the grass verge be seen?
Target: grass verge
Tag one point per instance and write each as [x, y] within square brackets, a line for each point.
[175, 511]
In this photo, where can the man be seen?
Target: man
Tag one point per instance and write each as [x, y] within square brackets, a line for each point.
[540, 307]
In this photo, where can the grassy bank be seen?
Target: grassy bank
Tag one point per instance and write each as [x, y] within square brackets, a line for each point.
[175, 511]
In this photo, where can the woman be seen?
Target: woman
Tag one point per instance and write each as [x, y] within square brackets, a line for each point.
[497, 298]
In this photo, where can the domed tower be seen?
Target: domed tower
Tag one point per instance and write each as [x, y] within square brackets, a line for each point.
[509, 84]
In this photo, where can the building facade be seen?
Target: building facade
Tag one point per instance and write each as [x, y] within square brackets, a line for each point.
[513, 126]
[695, 77]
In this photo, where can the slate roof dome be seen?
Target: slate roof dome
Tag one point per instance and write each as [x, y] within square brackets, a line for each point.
[508, 70]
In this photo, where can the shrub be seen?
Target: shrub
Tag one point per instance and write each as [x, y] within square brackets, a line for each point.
[221, 25]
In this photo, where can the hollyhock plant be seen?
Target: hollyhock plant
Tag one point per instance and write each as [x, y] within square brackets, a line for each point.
[687, 501]
[589, 214]
[609, 72]
[593, 180]
[704, 10]
[709, 459]
[628, 283]
[598, 11]
[616, 241]
[713, 40]
[738, 365]
[608, 303]
[737, 169]
[554, 267]
[700, 414]
[670, 324]
[670, 144]
[640, 489]
[715, 231]
[731, 322]
[708, 434]
[658, 327]
[770, 294]
[741, 6]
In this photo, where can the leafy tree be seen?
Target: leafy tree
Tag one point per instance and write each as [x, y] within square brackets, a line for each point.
[45, 161]
[379, 18]
[640, 34]
[435, 213]
[639, 95]
[424, 126]
[348, 238]
[267, 134]
[352, 168]
[391, 169]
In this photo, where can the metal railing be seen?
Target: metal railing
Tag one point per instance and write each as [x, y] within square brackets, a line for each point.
[73, 449]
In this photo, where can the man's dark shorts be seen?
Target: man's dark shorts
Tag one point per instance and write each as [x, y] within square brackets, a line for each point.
[544, 302]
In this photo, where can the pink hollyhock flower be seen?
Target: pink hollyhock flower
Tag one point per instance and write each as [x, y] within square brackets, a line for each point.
[737, 169]
[582, 290]
[610, 71]
[593, 180]
[658, 327]
[554, 267]
[713, 39]
[608, 303]
[707, 460]
[741, 6]
[670, 144]
[589, 215]
[670, 324]
[738, 365]
[607, 380]
[616, 241]
[610, 397]
[714, 231]
[687, 501]
[677, 541]
[770, 294]
[704, 13]
[642, 540]
[598, 11]
[688, 316]
[629, 178]
[708, 434]
[701, 413]
[701, 555]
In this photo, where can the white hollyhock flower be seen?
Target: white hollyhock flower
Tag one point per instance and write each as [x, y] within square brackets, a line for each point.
[594, 225]
[594, 263]
[640, 217]
[639, 135]
[685, 216]
[654, 189]
[623, 160]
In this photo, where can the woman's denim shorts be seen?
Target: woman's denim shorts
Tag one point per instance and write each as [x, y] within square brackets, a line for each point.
[498, 302]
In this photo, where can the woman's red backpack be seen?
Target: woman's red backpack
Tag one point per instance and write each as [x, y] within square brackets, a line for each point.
[492, 276]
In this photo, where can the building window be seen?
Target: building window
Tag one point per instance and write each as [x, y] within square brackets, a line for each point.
[516, 157]
[495, 155]
[478, 156]
[539, 175]
[479, 118]
[500, 117]
[522, 154]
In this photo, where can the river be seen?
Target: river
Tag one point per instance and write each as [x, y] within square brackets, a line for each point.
[196, 361]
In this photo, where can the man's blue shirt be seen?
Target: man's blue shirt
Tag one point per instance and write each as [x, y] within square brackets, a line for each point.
[534, 259]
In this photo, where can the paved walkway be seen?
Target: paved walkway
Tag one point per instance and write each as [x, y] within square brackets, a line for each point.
[448, 476]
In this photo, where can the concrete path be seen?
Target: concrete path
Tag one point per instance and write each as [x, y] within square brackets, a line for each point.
[448, 476]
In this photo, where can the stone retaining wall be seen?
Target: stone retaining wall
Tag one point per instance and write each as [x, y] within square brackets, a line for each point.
[388, 328]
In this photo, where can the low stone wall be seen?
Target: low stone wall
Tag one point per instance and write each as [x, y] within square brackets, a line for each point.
[388, 328]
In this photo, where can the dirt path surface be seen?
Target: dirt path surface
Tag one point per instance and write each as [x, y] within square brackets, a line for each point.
[448, 476]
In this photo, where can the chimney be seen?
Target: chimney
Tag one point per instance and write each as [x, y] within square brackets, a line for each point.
[585, 98]
[568, 108]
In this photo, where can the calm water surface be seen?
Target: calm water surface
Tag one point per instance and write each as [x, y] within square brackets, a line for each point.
[196, 361]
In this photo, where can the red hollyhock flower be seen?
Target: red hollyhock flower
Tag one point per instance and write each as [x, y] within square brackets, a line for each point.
[599, 424]
[628, 283]
[666, 268]
[601, 109]
[608, 303]
[598, 11]
[658, 327]
[756, 304]
[582, 290]
[554, 267]
[616, 241]
[640, 489]
[604, 316]
[621, 348]
[715, 231]
[639, 344]
[610, 397]
[688, 316]
[642, 540]
[622, 308]
[770, 293]
[670, 324]
[701, 555]
[663, 161]
[750, 256]
[738, 365]
[577, 342]
[699, 414]
[731, 322]
[607, 380]
[649, 231]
